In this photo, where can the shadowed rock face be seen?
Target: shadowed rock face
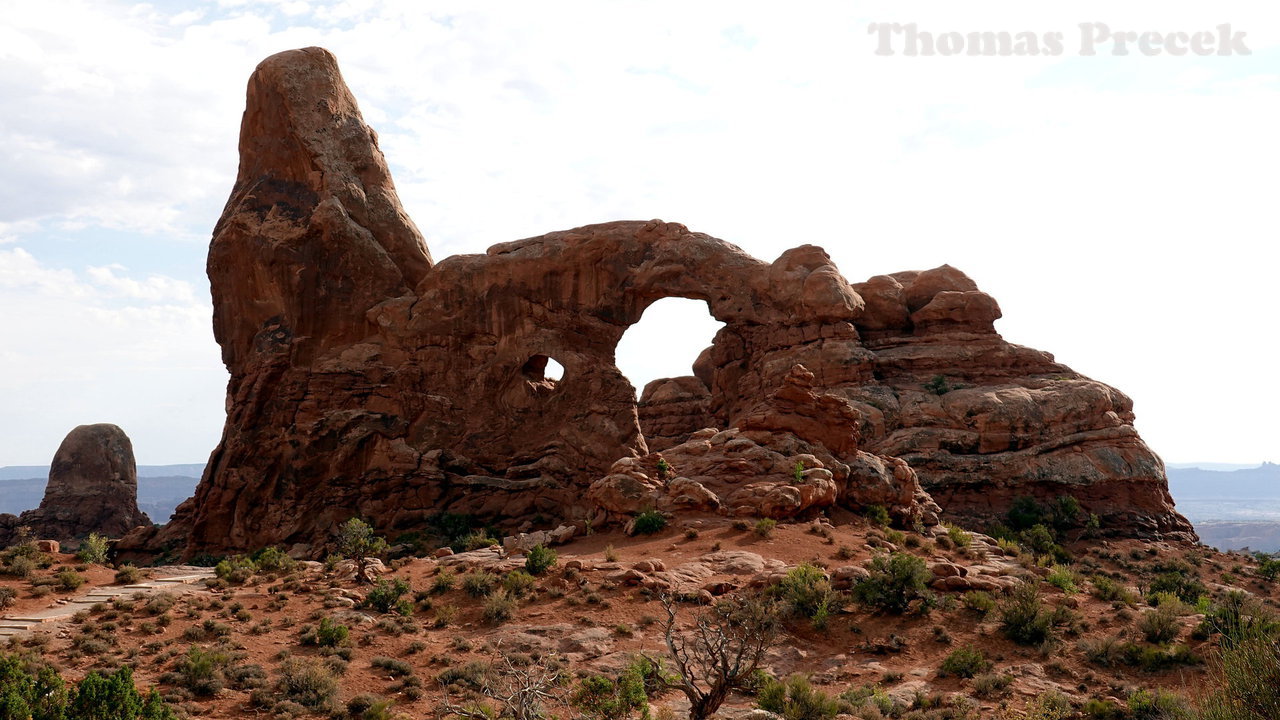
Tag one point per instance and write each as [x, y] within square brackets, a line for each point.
[367, 381]
[93, 487]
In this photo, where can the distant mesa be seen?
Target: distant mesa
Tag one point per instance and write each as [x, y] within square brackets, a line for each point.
[93, 487]
[368, 379]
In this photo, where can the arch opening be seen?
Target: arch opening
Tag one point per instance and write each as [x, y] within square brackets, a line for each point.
[542, 369]
[666, 341]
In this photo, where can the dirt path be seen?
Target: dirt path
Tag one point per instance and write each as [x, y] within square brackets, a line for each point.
[178, 580]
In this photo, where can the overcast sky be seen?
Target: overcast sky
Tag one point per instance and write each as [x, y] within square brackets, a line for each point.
[1121, 209]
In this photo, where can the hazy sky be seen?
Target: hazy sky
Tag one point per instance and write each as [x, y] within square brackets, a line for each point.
[1121, 208]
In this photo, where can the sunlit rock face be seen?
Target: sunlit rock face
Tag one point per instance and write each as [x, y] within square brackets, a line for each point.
[367, 380]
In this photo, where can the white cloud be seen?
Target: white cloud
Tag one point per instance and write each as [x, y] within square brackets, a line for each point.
[104, 347]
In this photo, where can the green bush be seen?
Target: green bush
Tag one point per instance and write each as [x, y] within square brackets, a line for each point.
[478, 583]
[518, 583]
[93, 549]
[1178, 582]
[1158, 704]
[1024, 619]
[539, 559]
[1247, 680]
[443, 582]
[8, 596]
[70, 579]
[1160, 626]
[877, 515]
[796, 699]
[499, 607]
[201, 671]
[394, 667]
[764, 527]
[965, 662]
[896, 581]
[236, 570]
[273, 559]
[1108, 590]
[602, 698]
[385, 596]
[1269, 567]
[308, 683]
[958, 536]
[807, 592]
[33, 689]
[648, 523]
[1063, 578]
[938, 385]
[979, 601]
[1238, 617]
[327, 634]
[128, 575]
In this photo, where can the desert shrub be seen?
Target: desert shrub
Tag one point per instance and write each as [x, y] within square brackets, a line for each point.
[648, 523]
[1063, 578]
[1269, 567]
[470, 675]
[93, 549]
[603, 698]
[385, 596]
[327, 634]
[964, 662]
[1160, 625]
[499, 607]
[394, 667]
[128, 575]
[476, 540]
[1100, 709]
[979, 601]
[245, 677]
[20, 566]
[478, 583]
[1108, 590]
[443, 583]
[518, 583]
[990, 684]
[1024, 619]
[938, 385]
[877, 515]
[236, 569]
[958, 536]
[539, 559]
[200, 671]
[1157, 704]
[1238, 617]
[764, 527]
[1247, 680]
[273, 559]
[1048, 705]
[807, 592]
[796, 699]
[1180, 583]
[307, 682]
[896, 581]
[8, 596]
[70, 579]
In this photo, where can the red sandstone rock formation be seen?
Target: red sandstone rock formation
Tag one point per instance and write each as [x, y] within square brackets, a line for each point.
[367, 381]
[93, 487]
